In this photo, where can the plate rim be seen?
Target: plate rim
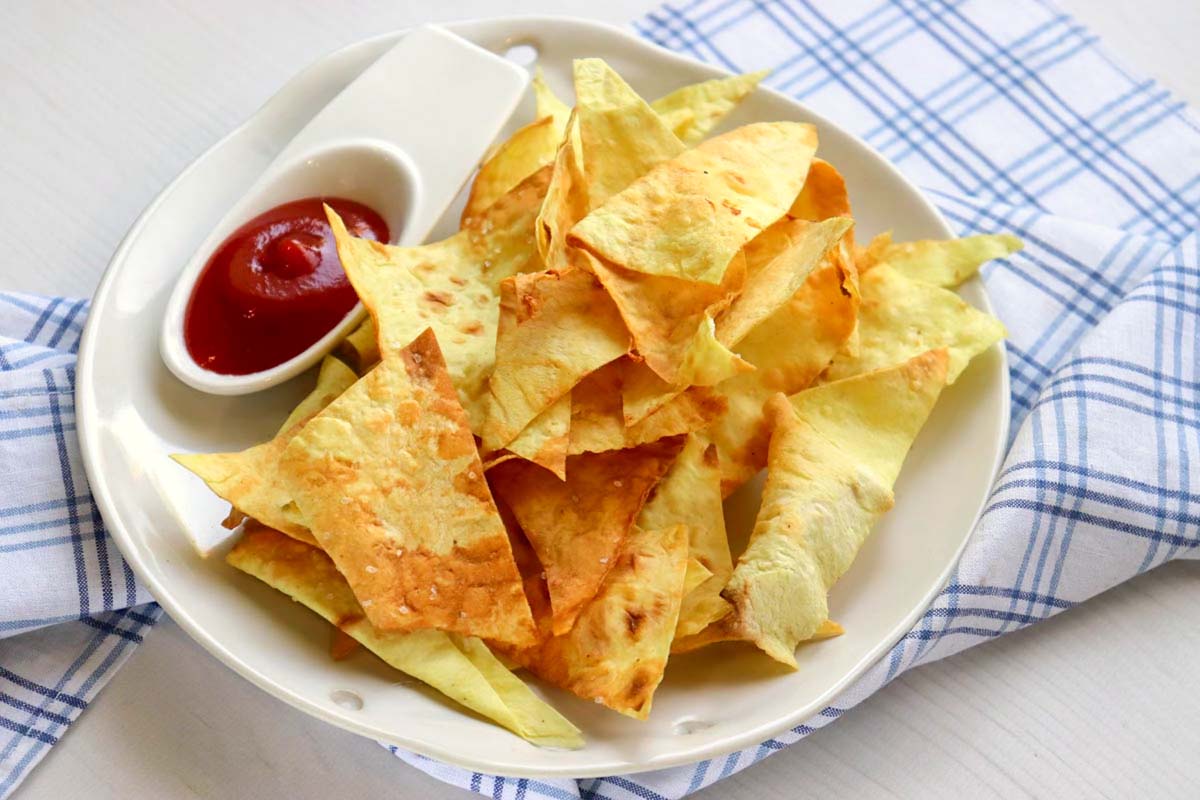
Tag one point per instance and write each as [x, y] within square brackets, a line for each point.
[89, 425]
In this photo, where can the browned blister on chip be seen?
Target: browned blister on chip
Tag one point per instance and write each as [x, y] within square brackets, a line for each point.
[391, 483]
[618, 648]
[577, 526]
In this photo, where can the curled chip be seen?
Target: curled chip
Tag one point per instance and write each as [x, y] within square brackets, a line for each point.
[391, 483]
[835, 452]
[692, 111]
[941, 263]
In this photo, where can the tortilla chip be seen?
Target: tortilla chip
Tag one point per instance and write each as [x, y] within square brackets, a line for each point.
[452, 286]
[688, 217]
[725, 630]
[461, 668]
[250, 479]
[361, 348]
[775, 271]
[944, 263]
[693, 111]
[901, 318]
[835, 453]
[690, 495]
[695, 575]
[546, 440]
[390, 480]
[617, 651]
[548, 104]
[597, 422]
[671, 321]
[621, 137]
[576, 526]
[555, 328]
[524, 153]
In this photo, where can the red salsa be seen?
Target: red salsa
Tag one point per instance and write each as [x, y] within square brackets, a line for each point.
[274, 287]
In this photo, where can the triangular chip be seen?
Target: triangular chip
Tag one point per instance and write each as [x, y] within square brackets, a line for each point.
[944, 263]
[900, 318]
[597, 422]
[577, 526]
[694, 110]
[250, 479]
[461, 668]
[452, 286]
[726, 630]
[524, 153]
[565, 202]
[390, 481]
[548, 104]
[690, 495]
[688, 217]
[835, 453]
[555, 328]
[617, 651]
[671, 321]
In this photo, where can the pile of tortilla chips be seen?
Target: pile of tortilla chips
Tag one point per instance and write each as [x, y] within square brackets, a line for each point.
[520, 459]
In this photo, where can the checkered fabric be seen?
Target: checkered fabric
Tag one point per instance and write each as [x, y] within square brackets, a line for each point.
[1013, 119]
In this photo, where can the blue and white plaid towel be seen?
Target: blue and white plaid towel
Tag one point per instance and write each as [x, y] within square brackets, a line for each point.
[1014, 120]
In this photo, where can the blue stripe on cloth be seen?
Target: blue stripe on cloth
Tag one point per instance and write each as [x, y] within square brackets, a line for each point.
[1013, 117]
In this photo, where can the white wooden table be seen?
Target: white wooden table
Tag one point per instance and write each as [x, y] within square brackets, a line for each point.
[101, 104]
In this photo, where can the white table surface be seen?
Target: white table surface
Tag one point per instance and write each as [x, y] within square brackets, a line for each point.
[101, 104]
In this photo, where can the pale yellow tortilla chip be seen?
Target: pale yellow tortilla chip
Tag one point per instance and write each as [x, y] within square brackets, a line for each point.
[944, 263]
[250, 479]
[548, 104]
[524, 153]
[618, 648]
[692, 111]
[693, 578]
[391, 483]
[725, 630]
[621, 137]
[900, 318]
[835, 453]
[452, 286]
[576, 526]
[361, 348]
[597, 422]
[461, 668]
[555, 328]
[688, 217]
[690, 495]
[671, 321]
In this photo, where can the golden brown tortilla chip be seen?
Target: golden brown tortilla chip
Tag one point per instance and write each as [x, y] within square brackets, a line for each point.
[452, 286]
[688, 217]
[555, 328]
[577, 526]
[692, 111]
[618, 648]
[671, 321]
[545, 441]
[835, 452]
[690, 495]
[250, 479]
[598, 424]
[900, 318]
[391, 483]
[461, 668]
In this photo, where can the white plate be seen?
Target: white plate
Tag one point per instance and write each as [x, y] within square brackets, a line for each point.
[133, 413]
